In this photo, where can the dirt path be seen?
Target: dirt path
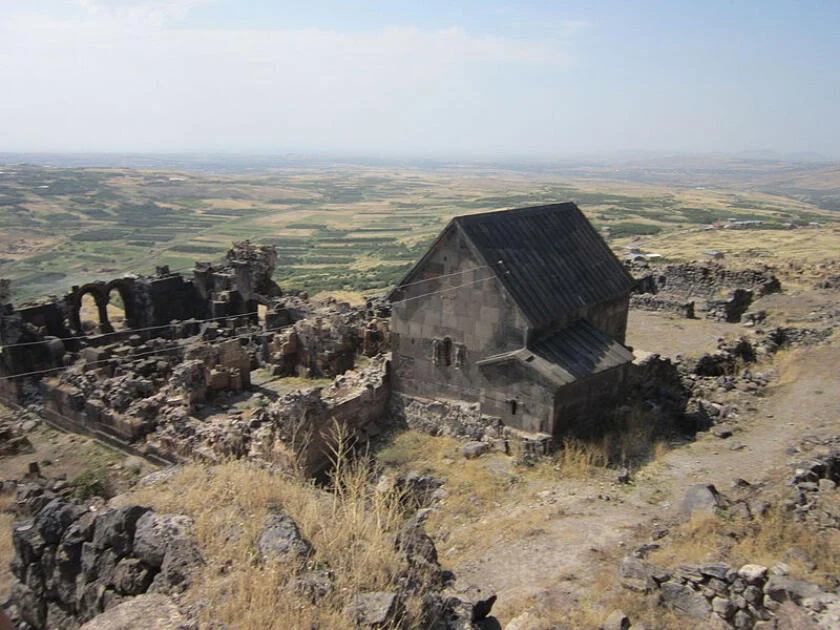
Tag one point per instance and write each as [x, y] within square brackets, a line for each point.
[576, 528]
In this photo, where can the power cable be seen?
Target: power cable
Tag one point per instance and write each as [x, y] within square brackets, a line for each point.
[125, 330]
[125, 359]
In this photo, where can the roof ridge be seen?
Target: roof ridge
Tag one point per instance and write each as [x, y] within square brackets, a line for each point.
[519, 211]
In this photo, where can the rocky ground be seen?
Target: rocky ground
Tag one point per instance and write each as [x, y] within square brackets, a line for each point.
[562, 542]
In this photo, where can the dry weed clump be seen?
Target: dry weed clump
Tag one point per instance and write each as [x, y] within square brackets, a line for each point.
[765, 540]
[557, 609]
[7, 518]
[352, 530]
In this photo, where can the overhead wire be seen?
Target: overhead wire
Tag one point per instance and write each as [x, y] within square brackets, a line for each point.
[430, 293]
[180, 345]
[126, 330]
[446, 275]
[127, 358]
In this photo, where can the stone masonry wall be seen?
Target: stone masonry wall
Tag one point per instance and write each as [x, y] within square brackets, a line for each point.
[72, 563]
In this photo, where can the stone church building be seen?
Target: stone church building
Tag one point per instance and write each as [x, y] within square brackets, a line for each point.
[522, 311]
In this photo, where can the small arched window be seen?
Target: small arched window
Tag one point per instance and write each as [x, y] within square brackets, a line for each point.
[447, 351]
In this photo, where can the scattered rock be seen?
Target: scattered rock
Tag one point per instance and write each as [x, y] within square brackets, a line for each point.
[482, 608]
[616, 620]
[473, 450]
[155, 533]
[753, 573]
[634, 575]
[281, 540]
[685, 601]
[782, 589]
[701, 499]
[150, 612]
[374, 610]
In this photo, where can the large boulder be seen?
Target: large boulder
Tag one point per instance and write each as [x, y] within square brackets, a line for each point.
[181, 561]
[55, 517]
[115, 529]
[634, 574]
[374, 610]
[701, 499]
[685, 601]
[150, 612]
[281, 540]
[131, 576]
[782, 589]
[156, 533]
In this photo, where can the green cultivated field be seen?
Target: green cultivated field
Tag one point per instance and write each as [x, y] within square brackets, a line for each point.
[346, 227]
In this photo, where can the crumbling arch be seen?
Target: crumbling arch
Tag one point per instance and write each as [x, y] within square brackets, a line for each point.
[100, 296]
[125, 289]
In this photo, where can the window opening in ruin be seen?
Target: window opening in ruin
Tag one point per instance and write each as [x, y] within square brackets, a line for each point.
[116, 310]
[447, 351]
[437, 351]
[89, 314]
[513, 407]
[460, 355]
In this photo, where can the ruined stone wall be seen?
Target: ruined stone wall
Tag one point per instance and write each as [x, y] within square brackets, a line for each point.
[721, 294]
[72, 563]
[306, 421]
[662, 304]
[440, 417]
[230, 289]
[705, 280]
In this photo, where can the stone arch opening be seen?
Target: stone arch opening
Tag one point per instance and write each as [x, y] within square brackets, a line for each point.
[121, 305]
[116, 310]
[92, 312]
[83, 309]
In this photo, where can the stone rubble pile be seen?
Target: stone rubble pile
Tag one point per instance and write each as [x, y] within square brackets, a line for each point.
[73, 562]
[723, 596]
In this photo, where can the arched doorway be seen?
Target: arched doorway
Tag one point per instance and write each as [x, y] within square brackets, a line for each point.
[89, 309]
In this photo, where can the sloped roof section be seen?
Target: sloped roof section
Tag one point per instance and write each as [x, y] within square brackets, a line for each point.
[549, 258]
[570, 354]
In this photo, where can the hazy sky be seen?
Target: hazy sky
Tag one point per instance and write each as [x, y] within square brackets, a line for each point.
[477, 78]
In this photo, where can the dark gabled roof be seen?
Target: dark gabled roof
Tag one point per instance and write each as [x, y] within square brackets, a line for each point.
[569, 354]
[549, 258]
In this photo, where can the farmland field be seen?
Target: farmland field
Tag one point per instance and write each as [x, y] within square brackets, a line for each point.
[359, 227]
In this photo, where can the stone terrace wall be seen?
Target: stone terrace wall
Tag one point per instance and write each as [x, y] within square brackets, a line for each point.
[721, 294]
[676, 306]
[705, 280]
[72, 563]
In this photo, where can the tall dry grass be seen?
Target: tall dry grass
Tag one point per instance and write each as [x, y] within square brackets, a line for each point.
[352, 529]
[766, 540]
[7, 551]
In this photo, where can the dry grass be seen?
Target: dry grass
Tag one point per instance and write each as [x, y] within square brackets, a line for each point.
[7, 518]
[764, 541]
[576, 459]
[749, 247]
[777, 533]
[351, 529]
[788, 365]
[559, 610]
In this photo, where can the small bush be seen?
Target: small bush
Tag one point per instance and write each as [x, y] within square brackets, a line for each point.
[93, 482]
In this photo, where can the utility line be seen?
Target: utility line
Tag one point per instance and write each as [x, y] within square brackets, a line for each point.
[124, 331]
[446, 275]
[460, 286]
[128, 358]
